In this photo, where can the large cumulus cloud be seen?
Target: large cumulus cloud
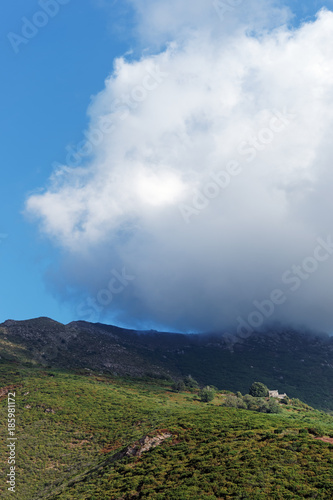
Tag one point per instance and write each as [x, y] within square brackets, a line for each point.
[204, 177]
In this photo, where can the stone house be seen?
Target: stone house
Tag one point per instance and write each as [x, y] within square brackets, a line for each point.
[275, 394]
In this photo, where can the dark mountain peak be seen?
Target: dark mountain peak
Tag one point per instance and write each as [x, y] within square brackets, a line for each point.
[41, 322]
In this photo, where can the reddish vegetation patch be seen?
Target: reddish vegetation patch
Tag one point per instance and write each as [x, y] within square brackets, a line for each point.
[325, 439]
[160, 431]
[111, 447]
[175, 441]
[5, 390]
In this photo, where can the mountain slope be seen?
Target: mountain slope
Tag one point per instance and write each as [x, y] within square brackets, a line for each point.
[84, 431]
[100, 437]
[299, 364]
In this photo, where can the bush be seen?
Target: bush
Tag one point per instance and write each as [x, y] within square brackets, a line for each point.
[258, 390]
[274, 406]
[234, 402]
[178, 386]
[251, 402]
[207, 394]
[285, 400]
[190, 382]
[263, 406]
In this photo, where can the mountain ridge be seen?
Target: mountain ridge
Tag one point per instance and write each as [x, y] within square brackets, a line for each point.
[300, 364]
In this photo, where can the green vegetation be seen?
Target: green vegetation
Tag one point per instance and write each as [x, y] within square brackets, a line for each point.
[86, 433]
[207, 394]
[178, 386]
[258, 390]
[291, 362]
[76, 431]
[190, 383]
[248, 402]
[296, 364]
[185, 383]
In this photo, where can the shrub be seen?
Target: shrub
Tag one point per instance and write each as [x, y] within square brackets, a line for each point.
[263, 406]
[285, 400]
[274, 406]
[190, 382]
[251, 402]
[178, 386]
[258, 390]
[207, 394]
[234, 402]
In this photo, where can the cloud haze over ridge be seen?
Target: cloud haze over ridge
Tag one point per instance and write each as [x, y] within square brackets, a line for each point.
[204, 177]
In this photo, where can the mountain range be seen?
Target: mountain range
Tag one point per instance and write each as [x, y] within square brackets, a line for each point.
[296, 363]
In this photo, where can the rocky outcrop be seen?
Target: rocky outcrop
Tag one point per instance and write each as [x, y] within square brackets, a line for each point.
[146, 444]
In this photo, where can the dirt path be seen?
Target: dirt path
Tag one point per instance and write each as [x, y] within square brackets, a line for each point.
[325, 439]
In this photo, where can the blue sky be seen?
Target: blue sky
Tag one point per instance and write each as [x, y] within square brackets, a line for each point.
[45, 93]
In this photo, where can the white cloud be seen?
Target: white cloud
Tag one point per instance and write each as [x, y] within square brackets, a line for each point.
[159, 21]
[179, 117]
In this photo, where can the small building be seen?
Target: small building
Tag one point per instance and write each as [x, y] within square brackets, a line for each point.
[275, 394]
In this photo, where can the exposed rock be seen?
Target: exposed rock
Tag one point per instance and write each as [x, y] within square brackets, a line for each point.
[146, 444]
[49, 410]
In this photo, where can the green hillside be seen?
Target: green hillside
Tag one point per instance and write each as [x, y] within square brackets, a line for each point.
[298, 363]
[82, 435]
